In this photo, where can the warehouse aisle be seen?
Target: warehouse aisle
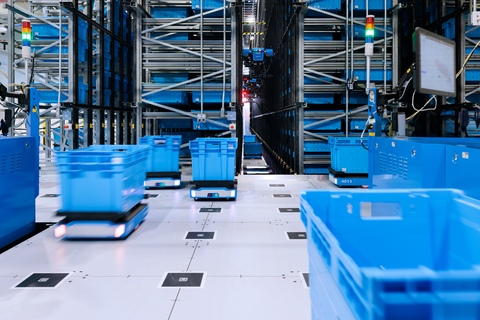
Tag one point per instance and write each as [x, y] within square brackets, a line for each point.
[249, 269]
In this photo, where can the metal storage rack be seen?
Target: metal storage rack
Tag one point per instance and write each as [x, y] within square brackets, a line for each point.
[191, 56]
[318, 47]
[83, 80]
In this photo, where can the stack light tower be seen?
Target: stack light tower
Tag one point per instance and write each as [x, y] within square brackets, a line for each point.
[369, 35]
[26, 45]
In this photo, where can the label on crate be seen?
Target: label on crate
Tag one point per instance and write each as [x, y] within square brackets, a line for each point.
[344, 169]
[393, 144]
[117, 160]
[465, 155]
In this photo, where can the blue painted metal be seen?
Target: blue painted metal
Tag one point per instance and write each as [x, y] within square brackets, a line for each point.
[422, 163]
[258, 54]
[19, 174]
[393, 253]
[461, 163]
[348, 155]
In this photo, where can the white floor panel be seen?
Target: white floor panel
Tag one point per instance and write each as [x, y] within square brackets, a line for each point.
[236, 298]
[252, 268]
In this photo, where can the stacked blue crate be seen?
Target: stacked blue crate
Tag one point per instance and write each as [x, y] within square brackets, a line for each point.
[252, 150]
[208, 5]
[210, 96]
[332, 6]
[165, 78]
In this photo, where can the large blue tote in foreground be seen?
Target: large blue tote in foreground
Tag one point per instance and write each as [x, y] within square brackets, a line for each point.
[102, 190]
[394, 254]
[213, 168]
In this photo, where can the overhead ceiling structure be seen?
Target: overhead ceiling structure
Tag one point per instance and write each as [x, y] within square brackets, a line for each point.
[253, 26]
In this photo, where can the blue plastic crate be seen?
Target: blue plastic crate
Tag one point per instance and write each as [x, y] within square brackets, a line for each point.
[51, 96]
[348, 155]
[46, 31]
[117, 82]
[317, 36]
[474, 34]
[315, 170]
[126, 97]
[102, 178]
[249, 138]
[164, 153]
[169, 97]
[106, 97]
[116, 28]
[307, 80]
[358, 124]
[211, 96]
[316, 146]
[82, 51]
[169, 77]
[106, 43]
[82, 29]
[316, 98]
[374, 6]
[333, 6]
[125, 55]
[107, 59]
[125, 85]
[397, 254]
[449, 29]
[375, 75]
[175, 124]
[355, 98]
[335, 124]
[159, 13]
[253, 149]
[116, 48]
[472, 75]
[125, 36]
[213, 158]
[181, 36]
[208, 5]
